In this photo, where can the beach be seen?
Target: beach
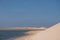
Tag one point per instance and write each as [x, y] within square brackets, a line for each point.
[17, 33]
[52, 33]
[29, 34]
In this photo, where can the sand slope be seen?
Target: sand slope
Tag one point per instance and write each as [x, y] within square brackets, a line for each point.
[29, 34]
[52, 33]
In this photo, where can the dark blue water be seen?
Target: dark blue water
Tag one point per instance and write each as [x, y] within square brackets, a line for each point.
[6, 34]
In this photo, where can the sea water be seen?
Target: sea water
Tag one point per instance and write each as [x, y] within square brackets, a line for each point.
[10, 34]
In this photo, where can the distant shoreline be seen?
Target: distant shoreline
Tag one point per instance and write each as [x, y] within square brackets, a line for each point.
[22, 29]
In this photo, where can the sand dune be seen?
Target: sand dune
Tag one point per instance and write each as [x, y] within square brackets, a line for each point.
[52, 33]
[29, 34]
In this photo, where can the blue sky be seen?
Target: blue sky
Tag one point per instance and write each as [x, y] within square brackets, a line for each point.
[15, 13]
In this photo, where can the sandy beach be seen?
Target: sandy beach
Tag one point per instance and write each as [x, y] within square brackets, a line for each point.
[52, 33]
[29, 34]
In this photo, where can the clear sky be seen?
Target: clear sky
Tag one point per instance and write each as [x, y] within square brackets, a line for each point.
[15, 13]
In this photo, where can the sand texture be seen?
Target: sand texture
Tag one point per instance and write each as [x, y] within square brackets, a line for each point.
[29, 34]
[52, 33]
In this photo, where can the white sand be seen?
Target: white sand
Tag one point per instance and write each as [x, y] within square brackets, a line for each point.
[29, 34]
[52, 33]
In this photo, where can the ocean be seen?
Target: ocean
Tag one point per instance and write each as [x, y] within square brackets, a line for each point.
[11, 34]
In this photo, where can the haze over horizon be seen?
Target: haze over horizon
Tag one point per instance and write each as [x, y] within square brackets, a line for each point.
[16, 13]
